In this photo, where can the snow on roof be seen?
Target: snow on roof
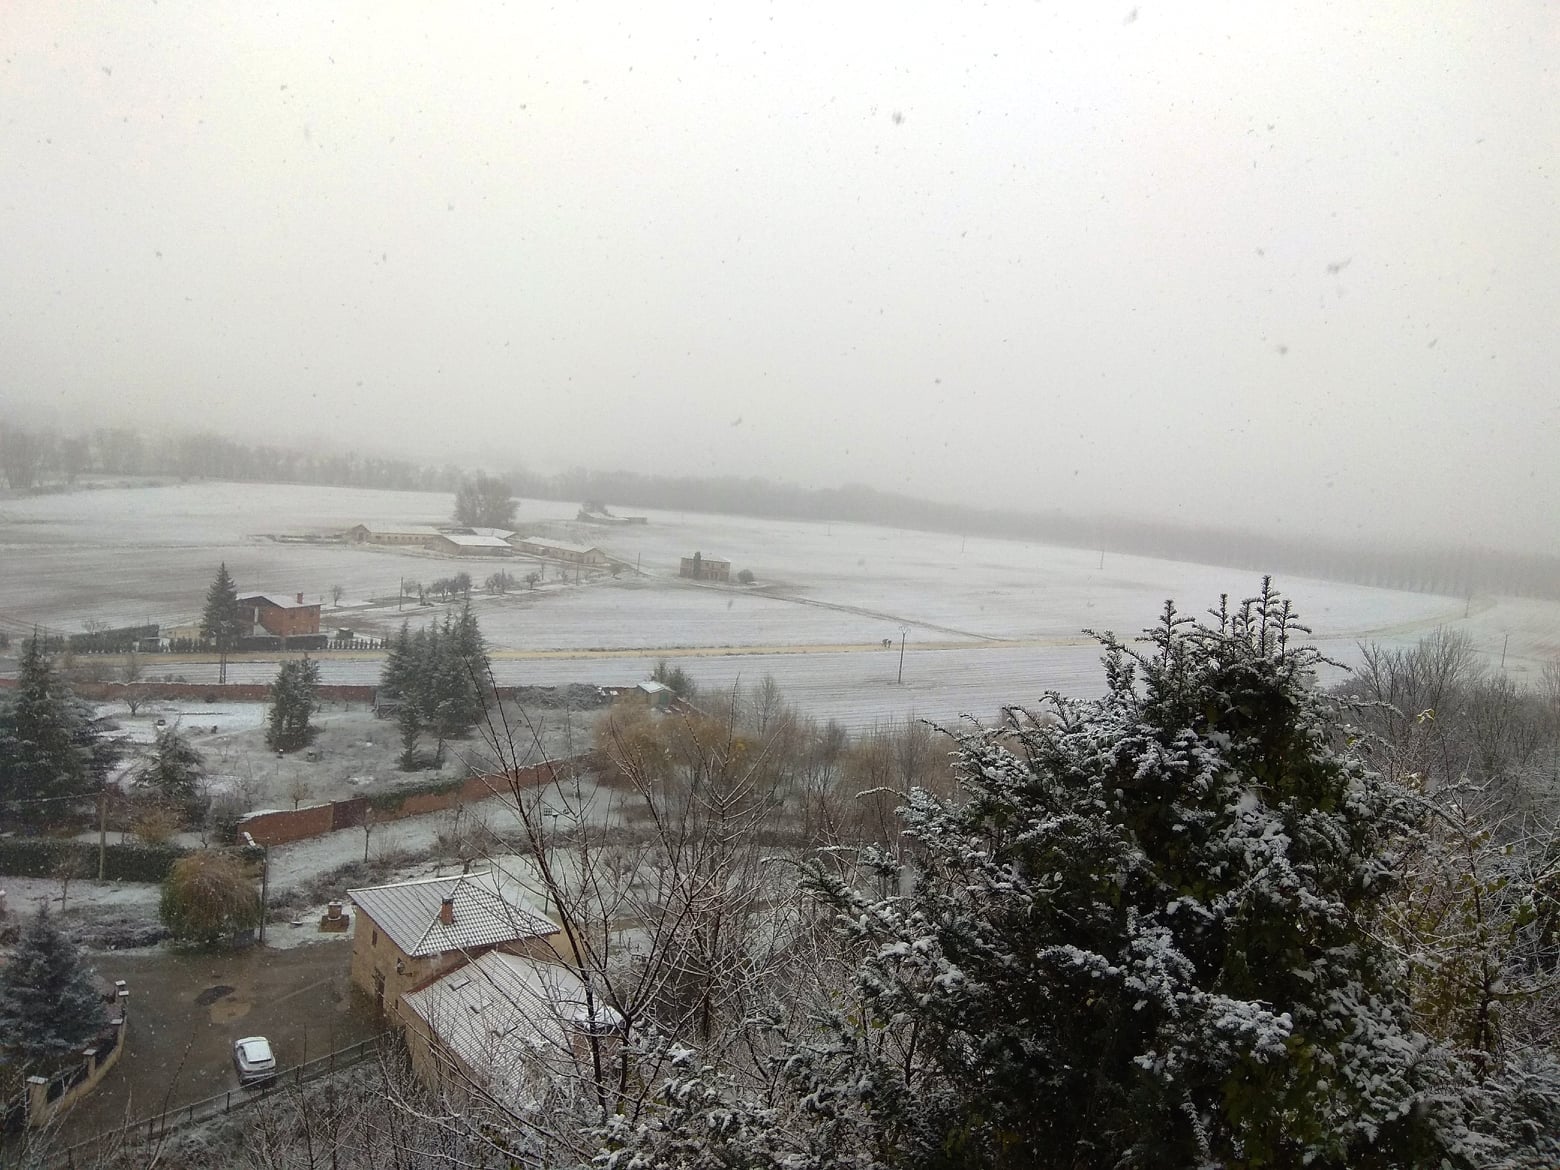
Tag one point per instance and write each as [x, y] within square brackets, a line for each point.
[560, 545]
[409, 913]
[503, 1015]
[400, 529]
[464, 541]
[279, 602]
[501, 533]
[708, 559]
[651, 687]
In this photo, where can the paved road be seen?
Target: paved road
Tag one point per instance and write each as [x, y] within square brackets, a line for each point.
[182, 1024]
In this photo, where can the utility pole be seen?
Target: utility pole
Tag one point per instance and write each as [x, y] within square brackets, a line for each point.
[400, 594]
[265, 875]
[903, 632]
[1503, 646]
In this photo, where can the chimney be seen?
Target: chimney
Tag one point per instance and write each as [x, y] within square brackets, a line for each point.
[300, 599]
[447, 912]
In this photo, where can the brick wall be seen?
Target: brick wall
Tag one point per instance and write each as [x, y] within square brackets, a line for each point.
[287, 825]
[282, 827]
[232, 692]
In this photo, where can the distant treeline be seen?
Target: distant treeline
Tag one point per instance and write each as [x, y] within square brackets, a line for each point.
[1458, 572]
[30, 459]
[36, 459]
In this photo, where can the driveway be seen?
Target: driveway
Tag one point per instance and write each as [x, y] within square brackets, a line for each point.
[187, 1009]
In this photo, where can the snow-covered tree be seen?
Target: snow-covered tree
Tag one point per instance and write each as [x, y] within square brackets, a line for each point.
[294, 700]
[174, 769]
[219, 620]
[441, 673]
[52, 747]
[1139, 935]
[48, 1004]
[484, 500]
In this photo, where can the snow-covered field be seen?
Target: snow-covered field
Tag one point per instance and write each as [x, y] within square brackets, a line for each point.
[984, 621]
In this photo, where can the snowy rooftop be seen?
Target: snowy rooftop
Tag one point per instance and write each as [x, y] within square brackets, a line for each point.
[399, 529]
[277, 600]
[465, 541]
[482, 916]
[560, 545]
[503, 1013]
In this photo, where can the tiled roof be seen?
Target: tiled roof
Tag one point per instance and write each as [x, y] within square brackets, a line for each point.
[279, 602]
[483, 917]
[509, 1018]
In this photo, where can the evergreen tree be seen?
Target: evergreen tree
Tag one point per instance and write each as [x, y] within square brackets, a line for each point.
[409, 724]
[219, 621]
[1140, 936]
[174, 769]
[294, 700]
[441, 673]
[49, 1007]
[396, 679]
[52, 747]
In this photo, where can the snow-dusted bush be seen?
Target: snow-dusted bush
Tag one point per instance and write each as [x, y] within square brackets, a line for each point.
[1140, 935]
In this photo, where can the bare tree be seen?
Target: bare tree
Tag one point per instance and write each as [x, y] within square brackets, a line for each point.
[677, 923]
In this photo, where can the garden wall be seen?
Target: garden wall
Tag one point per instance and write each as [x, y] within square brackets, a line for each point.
[281, 827]
[206, 692]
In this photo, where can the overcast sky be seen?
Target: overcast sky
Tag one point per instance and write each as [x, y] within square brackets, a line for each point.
[1293, 265]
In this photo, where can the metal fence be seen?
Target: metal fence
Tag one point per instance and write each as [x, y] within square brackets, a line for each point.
[155, 1128]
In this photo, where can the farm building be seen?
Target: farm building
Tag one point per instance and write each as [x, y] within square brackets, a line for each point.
[656, 695]
[699, 567]
[560, 550]
[406, 934]
[503, 1025]
[284, 617]
[460, 544]
[405, 534]
[477, 530]
[587, 516]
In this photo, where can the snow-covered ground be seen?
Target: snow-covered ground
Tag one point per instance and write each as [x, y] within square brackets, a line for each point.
[984, 621]
[195, 719]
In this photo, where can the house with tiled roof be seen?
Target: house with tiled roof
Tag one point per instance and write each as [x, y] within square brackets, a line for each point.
[407, 934]
[507, 1026]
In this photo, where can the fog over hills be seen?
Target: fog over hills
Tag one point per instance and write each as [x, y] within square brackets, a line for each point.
[1289, 271]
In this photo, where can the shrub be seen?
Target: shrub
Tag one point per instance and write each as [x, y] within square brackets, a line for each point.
[209, 896]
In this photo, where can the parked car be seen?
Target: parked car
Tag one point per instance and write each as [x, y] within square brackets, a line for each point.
[254, 1060]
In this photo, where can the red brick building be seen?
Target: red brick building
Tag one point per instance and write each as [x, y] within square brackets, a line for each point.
[284, 617]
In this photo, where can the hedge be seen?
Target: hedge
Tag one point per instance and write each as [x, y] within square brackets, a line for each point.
[40, 857]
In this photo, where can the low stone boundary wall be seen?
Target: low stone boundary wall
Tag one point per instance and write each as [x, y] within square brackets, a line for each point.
[48, 1097]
